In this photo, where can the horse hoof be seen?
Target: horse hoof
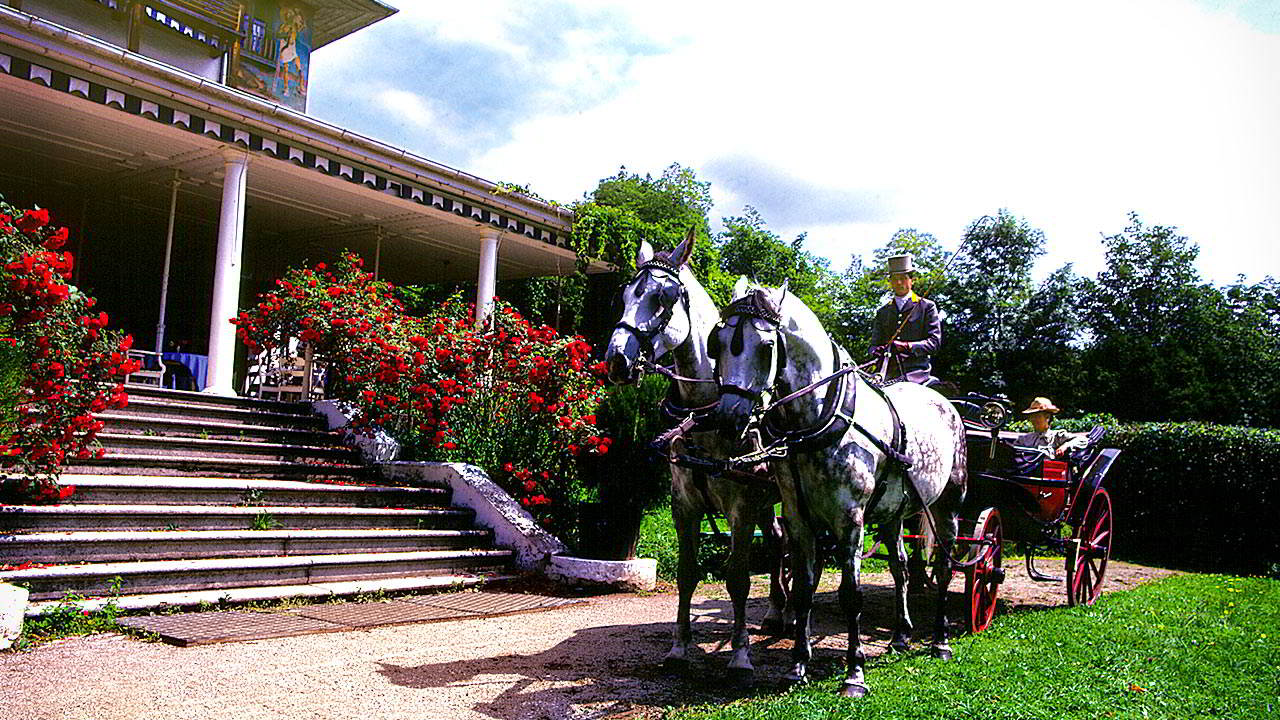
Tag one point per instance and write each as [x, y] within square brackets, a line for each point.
[772, 626]
[942, 653]
[854, 690]
[675, 665]
[900, 645]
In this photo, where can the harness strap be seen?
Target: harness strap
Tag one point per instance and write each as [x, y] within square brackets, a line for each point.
[896, 447]
[837, 411]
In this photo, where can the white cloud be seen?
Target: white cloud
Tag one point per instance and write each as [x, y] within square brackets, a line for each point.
[1070, 114]
[408, 106]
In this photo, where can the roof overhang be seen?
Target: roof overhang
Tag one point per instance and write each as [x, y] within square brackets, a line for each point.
[334, 19]
[145, 119]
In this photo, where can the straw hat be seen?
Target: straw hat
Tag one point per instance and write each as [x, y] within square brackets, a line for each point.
[900, 264]
[1041, 404]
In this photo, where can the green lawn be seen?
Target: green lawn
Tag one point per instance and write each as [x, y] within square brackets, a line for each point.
[1189, 646]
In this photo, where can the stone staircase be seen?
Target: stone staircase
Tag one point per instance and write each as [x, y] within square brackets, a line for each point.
[202, 498]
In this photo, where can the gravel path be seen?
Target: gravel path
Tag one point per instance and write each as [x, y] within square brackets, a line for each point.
[583, 661]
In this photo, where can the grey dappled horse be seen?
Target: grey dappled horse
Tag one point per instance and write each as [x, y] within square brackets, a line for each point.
[666, 311]
[836, 479]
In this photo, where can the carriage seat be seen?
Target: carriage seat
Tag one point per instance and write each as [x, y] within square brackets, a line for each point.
[1031, 463]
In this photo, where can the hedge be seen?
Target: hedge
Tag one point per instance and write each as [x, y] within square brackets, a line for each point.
[1195, 496]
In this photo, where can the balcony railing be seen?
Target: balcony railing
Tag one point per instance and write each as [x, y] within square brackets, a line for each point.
[223, 13]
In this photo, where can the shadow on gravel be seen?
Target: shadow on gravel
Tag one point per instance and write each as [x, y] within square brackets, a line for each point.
[613, 669]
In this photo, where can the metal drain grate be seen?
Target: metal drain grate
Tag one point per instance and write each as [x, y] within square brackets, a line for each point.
[215, 627]
[488, 603]
[365, 615]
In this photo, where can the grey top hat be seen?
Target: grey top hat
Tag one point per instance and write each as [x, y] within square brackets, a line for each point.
[899, 264]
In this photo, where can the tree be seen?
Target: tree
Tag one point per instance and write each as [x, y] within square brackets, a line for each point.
[1151, 321]
[747, 247]
[1045, 357]
[988, 286]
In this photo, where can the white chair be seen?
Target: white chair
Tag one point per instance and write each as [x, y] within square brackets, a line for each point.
[152, 371]
[281, 374]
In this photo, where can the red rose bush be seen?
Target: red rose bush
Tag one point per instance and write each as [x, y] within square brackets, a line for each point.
[59, 365]
[514, 398]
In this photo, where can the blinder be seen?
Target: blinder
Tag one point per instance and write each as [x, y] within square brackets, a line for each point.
[668, 297]
[753, 305]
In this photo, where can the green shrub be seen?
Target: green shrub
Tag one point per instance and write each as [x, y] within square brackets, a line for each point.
[1195, 496]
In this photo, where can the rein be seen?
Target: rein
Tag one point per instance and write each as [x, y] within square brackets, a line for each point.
[646, 365]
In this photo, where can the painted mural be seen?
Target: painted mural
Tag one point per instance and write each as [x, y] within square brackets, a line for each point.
[275, 56]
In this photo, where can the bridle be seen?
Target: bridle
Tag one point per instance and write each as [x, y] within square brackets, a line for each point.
[646, 336]
[752, 305]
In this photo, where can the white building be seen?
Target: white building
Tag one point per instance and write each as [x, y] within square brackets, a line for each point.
[137, 121]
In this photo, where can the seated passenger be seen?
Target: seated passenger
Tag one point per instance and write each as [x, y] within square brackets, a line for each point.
[1044, 438]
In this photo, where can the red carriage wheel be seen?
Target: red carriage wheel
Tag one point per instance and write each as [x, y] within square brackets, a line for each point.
[1087, 561]
[982, 581]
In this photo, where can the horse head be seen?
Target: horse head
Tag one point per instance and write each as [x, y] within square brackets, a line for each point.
[655, 311]
[750, 352]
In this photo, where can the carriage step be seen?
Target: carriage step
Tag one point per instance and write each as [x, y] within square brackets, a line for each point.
[157, 576]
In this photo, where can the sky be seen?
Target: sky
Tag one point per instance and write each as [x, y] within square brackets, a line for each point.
[849, 120]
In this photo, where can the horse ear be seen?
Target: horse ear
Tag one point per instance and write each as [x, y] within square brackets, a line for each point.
[741, 287]
[644, 254]
[781, 293]
[684, 251]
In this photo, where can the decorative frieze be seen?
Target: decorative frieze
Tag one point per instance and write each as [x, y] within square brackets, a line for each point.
[257, 143]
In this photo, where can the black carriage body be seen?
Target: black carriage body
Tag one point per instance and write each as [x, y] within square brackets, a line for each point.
[1031, 499]
[1035, 496]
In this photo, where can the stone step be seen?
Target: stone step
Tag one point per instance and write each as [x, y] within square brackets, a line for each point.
[116, 463]
[193, 598]
[126, 424]
[161, 490]
[164, 576]
[201, 448]
[156, 408]
[50, 518]
[204, 399]
[132, 546]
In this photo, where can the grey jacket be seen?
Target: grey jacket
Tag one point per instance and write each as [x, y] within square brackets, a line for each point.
[922, 331]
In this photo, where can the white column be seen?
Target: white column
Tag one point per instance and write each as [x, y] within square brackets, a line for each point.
[226, 275]
[485, 282]
[168, 254]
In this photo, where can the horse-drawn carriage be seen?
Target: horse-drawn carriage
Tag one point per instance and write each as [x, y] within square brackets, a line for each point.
[847, 455]
[1024, 496]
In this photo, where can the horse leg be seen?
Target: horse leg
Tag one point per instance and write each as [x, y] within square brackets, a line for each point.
[775, 621]
[891, 537]
[805, 574]
[738, 582]
[946, 522]
[855, 681]
[917, 571]
[687, 517]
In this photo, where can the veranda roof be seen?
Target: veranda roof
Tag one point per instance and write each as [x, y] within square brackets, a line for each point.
[87, 113]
